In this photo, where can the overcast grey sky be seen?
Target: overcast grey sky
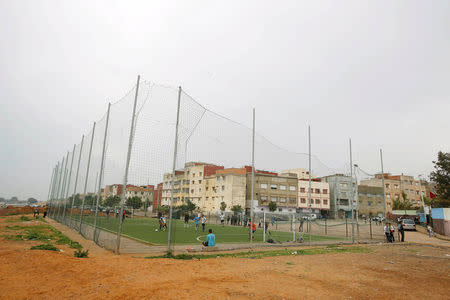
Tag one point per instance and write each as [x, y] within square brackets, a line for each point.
[376, 71]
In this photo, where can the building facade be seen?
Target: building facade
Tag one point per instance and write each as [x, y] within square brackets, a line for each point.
[320, 192]
[394, 185]
[342, 192]
[370, 201]
[271, 187]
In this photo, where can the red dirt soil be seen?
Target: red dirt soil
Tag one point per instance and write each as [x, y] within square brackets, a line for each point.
[387, 272]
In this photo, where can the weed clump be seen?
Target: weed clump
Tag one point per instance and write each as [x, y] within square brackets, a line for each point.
[81, 253]
[45, 247]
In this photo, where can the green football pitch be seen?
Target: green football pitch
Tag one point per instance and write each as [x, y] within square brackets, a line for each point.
[147, 229]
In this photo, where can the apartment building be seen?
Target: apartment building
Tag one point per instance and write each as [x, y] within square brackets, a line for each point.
[226, 185]
[370, 201]
[320, 192]
[342, 191]
[394, 185]
[269, 186]
[145, 192]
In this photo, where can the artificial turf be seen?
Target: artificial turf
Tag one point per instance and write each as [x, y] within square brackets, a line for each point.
[147, 229]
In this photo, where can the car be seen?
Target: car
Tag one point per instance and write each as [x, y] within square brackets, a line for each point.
[408, 224]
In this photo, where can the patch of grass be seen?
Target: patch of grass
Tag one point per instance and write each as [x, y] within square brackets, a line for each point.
[80, 253]
[44, 247]
[289, 263]
[15, 227]
[24, 218]
[10, 237]
[261, 254]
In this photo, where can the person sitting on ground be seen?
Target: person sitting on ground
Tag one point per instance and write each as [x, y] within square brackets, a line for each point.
[210, 239]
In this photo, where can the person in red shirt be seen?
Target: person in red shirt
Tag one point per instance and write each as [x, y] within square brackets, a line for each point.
[253, 228]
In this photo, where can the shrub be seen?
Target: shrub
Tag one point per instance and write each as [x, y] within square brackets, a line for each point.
[45, 247]
[80, 253]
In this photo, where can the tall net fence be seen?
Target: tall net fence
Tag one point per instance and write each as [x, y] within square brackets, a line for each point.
[159, 171]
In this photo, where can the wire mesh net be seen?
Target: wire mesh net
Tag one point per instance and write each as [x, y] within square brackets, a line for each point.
[176, 192]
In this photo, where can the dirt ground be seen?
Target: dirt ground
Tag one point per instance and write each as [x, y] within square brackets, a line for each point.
[394, 271]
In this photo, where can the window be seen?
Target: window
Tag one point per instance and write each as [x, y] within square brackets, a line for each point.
[199, 181]
[192, 191]
[282, 199]
[317, 201]
[302, 190]
[193, 174]
[379, 203]
[325, 202]
[397, 197]
[264, 185]
[263, 198]
[292, 200]
[325, 191]
[388, 185]
[273, 199]
[282, 187]
[388, 196]
[343, 185]
[369, 195]
[200, 190]
[303, 200]
[207, 188]
[207, 198]
[317, 191]
[417, 192]
[200, 174]
[396, 186]
[193, 182]
[273, 186]
[369, 203]
[223, 188]
[292, 188]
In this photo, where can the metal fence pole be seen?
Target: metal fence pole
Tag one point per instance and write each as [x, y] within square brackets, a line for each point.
[52, 192]
[309, 193]
[87, 178]
[253, 181]
[370, 227]
[50, 186]
[55, 188]
[76, 180]
[63, 187]
[102, 165]
[326, 229]
[125, 177]
[169, 235]
[68, 184]
[351, 192]
[264, 226]
[59, 186]
[346, 226]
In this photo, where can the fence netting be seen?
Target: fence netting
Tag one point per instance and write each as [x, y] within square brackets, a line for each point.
[189, 172]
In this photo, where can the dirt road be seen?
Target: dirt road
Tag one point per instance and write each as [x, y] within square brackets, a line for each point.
[386, 272]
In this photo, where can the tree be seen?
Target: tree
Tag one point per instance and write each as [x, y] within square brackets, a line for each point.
[89, 200]
[402, 204]
[441, 176]
[135, 202]
[163, 209]
[236, 209]
[31, 201]
[272, 206]
[112, 201]
[223, 206]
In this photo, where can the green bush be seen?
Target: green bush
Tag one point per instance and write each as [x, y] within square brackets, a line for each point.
[45, 247]
[80, 253]
[24, 218]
